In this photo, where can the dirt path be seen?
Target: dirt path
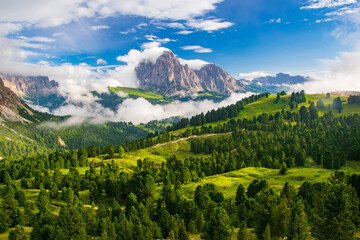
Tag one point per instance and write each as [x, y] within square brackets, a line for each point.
[192, 136]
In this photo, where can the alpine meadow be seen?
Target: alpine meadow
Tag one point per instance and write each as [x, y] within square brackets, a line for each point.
[180, 120]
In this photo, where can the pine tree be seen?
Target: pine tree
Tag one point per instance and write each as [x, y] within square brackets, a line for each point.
[280, 218]
[334, 212]
[121, 151]
[3, 221]
[240, 194]
[182, 233]
[298, 228]
[218, 226]
[337, 104]
[18, 233]
[200, 222]
[243, 234]
[267, 233]
[283, 169]
[313, 111]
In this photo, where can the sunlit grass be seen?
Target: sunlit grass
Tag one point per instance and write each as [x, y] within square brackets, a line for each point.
[228, 182]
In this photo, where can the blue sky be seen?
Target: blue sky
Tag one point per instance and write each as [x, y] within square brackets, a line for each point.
[88, 45]
[239, 36]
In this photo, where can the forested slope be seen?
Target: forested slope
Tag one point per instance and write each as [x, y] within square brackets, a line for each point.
[270, 175]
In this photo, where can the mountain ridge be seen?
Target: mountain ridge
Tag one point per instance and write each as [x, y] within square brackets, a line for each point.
[168, 76]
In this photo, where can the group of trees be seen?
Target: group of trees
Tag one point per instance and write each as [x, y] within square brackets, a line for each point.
[354, 99]
[147, 202]
[45, 139]
[223, 113]
[324, 210]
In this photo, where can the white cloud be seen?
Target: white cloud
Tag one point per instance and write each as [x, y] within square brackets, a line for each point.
[318, 4]
[197, 48]
[101, 62]
[209, 25]
[276, 20]
[37, 39]
[76, 82]
[8, 27]
[99, 27]
[175, 25]
[252, 75]
[184, 32]
[141, 25]
[44, 13]
[195, 64]
[141, 111]
[71, 121]
[132, 30]
[343, 74]
[324, 20]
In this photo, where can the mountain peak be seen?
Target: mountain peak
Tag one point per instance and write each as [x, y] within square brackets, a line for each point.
[168, 76]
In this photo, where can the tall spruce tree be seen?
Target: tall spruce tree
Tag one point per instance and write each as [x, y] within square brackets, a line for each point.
[298, 228]
[218, 226]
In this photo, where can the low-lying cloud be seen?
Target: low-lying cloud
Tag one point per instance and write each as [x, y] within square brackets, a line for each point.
[343, 75]
[140, 110]
[71, 122]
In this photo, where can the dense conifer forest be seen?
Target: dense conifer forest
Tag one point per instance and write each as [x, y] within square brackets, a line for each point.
[68, 195]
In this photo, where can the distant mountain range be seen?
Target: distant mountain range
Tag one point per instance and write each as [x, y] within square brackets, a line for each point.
[274, 84]
[279, 79]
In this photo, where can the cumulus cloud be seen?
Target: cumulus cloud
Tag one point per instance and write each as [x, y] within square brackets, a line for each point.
[43, 13]
[209, 24]
[101, 62]
[9, 27]
[197, 48]
[343, 74]
[252, 75]
[195, 64]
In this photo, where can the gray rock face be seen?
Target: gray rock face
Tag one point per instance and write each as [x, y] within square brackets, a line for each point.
[168, 76]
[30, 87]
[10, 105]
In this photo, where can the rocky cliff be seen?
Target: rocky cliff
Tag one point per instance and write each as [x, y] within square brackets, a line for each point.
[168, 76]
[30, 87]
[11, 107]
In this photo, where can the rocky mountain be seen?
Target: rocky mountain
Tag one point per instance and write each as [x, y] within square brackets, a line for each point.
[273, 84]
[37, 90]
[12, 108]
[30, 87]
[281, 79]
[168, 76]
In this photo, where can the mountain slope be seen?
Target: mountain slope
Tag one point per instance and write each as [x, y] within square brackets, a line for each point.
[15, 110]
[168, 76]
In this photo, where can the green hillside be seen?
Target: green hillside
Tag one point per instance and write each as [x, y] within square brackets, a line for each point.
[257, 171]
[268, 106]
[136, 92]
